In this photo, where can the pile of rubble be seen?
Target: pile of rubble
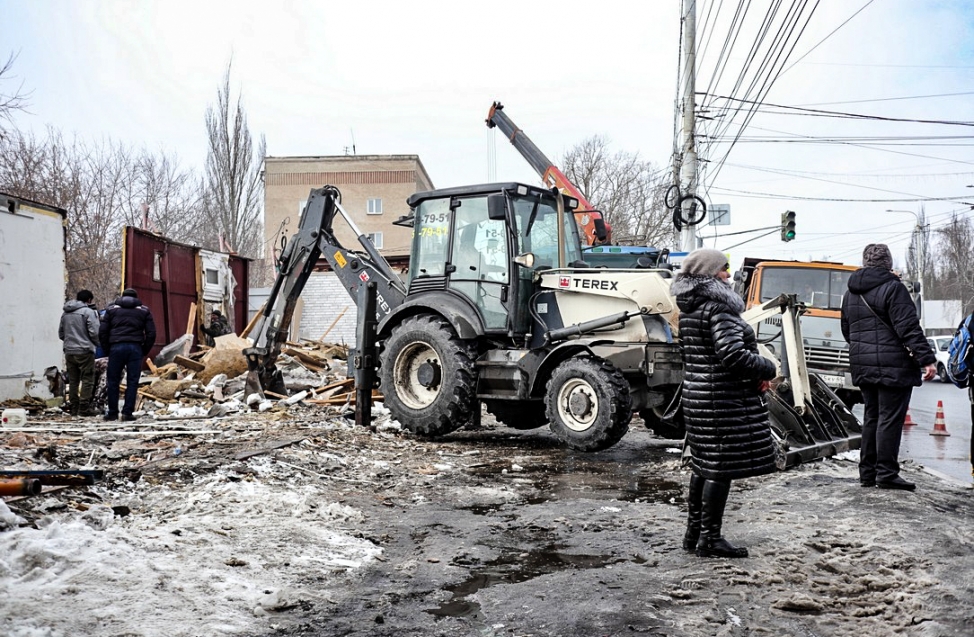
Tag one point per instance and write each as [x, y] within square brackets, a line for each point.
[212, 382]
[195, 402]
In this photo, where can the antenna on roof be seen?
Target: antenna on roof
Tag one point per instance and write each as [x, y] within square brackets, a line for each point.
[353, 144]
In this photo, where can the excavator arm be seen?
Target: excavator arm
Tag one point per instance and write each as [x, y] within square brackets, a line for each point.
[585, 214]
[314, 238]
[808, 420]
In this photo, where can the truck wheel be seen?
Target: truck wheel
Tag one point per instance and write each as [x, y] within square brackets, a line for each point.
[428, 376]
[589, 405]
[518, 414]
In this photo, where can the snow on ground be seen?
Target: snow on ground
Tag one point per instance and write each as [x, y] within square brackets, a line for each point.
[210, 560]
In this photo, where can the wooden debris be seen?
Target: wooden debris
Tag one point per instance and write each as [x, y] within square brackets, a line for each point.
[196, 366]
[191, 322]
[333, 324]
[341, 399]
[243, 455]
[146, 394]
[306, 359]
[332, 388]
[253, 322]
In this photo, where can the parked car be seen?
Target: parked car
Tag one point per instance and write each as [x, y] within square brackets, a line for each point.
[940, 344]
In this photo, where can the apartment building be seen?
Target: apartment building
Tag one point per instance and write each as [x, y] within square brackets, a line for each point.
[374, 191]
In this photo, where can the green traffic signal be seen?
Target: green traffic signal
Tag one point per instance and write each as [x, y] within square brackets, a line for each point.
[787, 225]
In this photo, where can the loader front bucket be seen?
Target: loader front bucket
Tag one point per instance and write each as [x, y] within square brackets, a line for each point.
[826, 427]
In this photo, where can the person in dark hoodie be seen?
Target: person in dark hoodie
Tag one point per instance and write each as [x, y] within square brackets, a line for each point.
[127, 333]
[79, 331]
[218, 327]
[887, 350]
[726, 418]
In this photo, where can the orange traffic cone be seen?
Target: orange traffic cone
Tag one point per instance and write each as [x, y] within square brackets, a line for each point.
[909, 421]
[939, 426]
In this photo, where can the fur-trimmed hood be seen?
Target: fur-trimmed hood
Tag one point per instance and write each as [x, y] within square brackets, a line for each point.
[691, 291]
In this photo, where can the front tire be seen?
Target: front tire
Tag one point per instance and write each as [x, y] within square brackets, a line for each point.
[428, 376]
[942, 373]
[588, 404]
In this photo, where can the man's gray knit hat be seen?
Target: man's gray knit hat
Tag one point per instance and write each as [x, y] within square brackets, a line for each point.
[877, 255]
[704, 262]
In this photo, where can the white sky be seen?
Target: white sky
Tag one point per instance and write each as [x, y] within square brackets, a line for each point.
[419, 78]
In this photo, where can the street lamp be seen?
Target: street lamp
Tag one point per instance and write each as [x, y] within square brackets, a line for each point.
[922, 258]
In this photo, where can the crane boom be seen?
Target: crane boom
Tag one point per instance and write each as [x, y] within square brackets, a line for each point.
[549, 173]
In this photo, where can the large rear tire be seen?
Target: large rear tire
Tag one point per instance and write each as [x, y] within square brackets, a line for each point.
[518, 414]
[588, 404]
[428, 376]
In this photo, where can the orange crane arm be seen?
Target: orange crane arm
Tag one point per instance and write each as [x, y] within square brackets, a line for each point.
[549, 173]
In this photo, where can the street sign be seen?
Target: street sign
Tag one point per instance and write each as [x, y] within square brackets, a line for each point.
[719, 214]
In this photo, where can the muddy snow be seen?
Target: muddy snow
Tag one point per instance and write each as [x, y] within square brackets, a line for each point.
[295, 523]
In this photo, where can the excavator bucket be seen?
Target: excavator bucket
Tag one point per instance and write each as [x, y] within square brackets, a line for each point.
[807, 418]
[822, 430]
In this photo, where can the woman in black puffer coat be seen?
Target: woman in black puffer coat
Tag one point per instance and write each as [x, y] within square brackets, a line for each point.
[726, 418]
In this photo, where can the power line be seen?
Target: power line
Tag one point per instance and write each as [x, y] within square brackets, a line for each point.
[891, 99]
[844, 115]
[766, 195]
[819, 43]
[769, 81]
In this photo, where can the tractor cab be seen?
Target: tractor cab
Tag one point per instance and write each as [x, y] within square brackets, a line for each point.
[485, 244]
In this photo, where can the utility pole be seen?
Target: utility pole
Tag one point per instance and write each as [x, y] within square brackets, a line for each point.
[688, 168]
[920, 234]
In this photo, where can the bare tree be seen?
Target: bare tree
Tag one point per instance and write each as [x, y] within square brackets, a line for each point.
[234, 187]
[103, 188]
[11, 99]
[955, 261]
[166, 199]
[628, 192]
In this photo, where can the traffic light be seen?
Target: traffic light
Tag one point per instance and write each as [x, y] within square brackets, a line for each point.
[787, 226]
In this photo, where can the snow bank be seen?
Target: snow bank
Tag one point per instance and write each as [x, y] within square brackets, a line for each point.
[212, 559]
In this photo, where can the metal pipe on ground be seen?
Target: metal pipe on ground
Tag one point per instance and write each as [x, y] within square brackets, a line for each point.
[20, 487]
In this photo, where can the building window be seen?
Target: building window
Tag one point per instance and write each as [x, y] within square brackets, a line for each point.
[376, 238]
[212, 277]
[375, 206]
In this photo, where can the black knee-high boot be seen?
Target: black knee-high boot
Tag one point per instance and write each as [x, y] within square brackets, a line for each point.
[711, 544]
[694, 505]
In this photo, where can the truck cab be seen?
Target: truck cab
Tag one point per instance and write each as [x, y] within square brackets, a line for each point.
[820, 286]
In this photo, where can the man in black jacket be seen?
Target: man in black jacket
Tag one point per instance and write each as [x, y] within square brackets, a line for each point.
[127, 333]
[887, 350]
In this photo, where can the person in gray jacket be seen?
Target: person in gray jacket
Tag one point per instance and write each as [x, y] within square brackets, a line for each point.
[79, 331]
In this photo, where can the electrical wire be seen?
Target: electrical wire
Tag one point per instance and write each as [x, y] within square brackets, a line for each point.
[844, 115]
[833, 32]
[765, 195]
[769, 81]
